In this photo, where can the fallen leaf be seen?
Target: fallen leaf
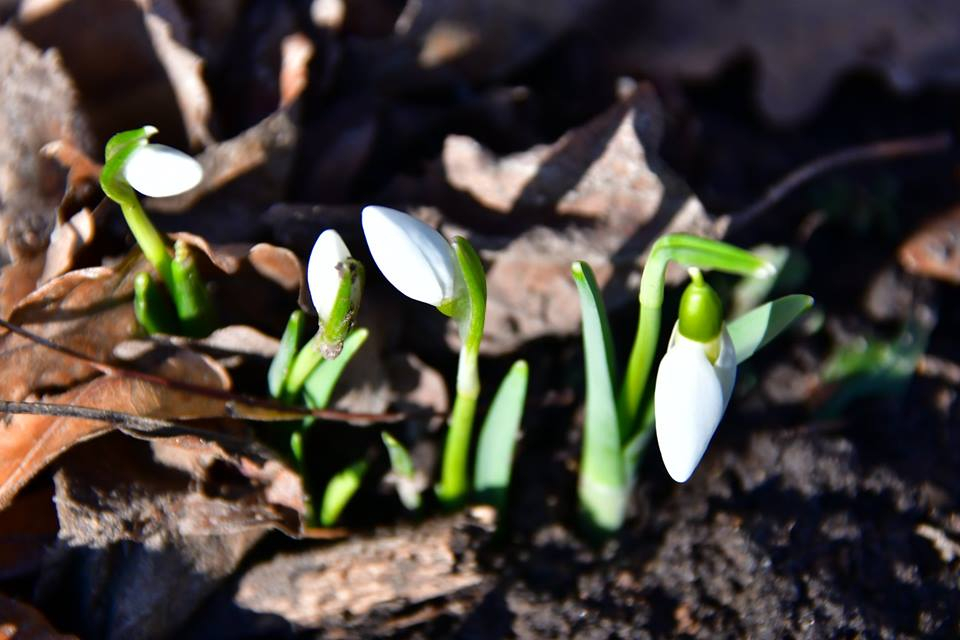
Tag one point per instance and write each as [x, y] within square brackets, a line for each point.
[31, 442]
[38, 104]
[599, 194]
[169, 34]
[20, 278]
[88, 311]
[163, 536]
[134, 89]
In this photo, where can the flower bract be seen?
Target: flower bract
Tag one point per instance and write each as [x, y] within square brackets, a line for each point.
[412, 255]
[324, 273]
[690, 397]
[159, 171]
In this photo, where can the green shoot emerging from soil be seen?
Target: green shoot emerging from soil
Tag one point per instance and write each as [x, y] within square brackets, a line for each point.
[695, 377]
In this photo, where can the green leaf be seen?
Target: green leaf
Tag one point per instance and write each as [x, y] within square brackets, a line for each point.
[406, 474]
[603, 482]
[756, 328]
[340, 490]
[498, 437]
[289, 344]
[320, 384]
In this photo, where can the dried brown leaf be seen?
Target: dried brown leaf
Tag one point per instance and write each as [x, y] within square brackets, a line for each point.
[38, 104]
[163, 525]
[31, 442]
[169, 34]
[134, 88]
[606, 197]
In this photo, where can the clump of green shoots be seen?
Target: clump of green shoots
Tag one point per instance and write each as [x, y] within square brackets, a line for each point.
[695, 378]
[423, 265]
[134, 165]
[307, 373]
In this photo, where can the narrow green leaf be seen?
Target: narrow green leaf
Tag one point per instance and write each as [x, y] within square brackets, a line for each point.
[405, 474]
[602, 485]
[340, 490]
[756, 328]
[289, 344]
[320, 384]
[400, 461]
[498, 437]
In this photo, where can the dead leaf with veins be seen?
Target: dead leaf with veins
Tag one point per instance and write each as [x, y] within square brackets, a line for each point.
[600, 193]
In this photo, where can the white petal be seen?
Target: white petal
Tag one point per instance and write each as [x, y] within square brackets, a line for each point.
[690, 397]
[412, 255]
[323, 278]
[159, 171]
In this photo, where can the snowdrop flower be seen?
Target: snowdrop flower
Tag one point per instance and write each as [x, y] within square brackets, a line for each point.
[412, 255]
[159, 171]
[325, 271]
[694, 381]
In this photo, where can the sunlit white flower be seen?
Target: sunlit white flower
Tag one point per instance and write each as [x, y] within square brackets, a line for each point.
[159, 171]
[690, 397]
[412, 255]
[324, 271]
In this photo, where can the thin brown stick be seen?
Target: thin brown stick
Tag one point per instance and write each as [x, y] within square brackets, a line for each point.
[883, 150]
[127, 422]
[236, 405]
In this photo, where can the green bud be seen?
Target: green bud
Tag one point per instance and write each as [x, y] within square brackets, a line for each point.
[194, 308]
[701, 312]
[151, 306]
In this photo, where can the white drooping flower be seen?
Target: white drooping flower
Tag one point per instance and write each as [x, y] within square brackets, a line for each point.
[690, 397]
[159, 171]
[412, 255]
[324, 273]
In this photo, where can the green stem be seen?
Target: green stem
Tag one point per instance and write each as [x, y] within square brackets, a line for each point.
[470, 314]
[150, 240]
[453, 477]
[645, 341]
